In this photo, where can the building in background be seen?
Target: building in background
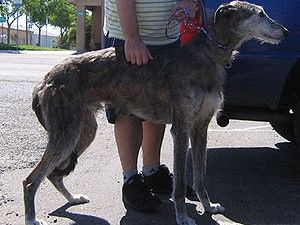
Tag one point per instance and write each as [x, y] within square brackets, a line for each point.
[13, 36]
[47, 40]
[97, 9]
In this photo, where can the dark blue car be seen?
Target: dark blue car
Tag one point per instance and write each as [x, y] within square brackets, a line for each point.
[264, 82]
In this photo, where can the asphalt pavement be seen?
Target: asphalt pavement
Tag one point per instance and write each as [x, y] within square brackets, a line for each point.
[252, 171]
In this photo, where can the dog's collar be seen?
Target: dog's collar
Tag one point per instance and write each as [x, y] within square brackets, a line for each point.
[218, 44]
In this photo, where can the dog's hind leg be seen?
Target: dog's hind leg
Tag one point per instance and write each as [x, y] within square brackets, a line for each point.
[73, 199]
[180, 138]
[62, 117]
[87, 135]
[50, 160]
[199, 155]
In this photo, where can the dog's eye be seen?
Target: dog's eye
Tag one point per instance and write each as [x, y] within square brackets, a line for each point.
[261, 14]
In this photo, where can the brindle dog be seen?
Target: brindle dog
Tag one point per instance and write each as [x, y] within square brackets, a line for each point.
[183, 88]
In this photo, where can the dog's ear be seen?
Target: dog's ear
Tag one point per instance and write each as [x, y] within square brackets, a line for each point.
[224, 10]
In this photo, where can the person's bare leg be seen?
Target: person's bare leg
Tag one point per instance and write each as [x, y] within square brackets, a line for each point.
[152, 140]
[129, 135]
[135, 194]
[156, 176]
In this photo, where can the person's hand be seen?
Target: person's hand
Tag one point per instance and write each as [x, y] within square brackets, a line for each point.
[183, 7]
[136, 52]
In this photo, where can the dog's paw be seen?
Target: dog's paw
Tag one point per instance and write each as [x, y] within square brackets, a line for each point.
[185, 220]
[79, 199]
[215, 208]
[35, 222]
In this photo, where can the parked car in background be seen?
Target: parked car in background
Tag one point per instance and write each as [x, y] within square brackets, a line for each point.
[263, 84]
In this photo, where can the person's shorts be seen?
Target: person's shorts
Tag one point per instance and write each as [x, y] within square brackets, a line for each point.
[110, 111]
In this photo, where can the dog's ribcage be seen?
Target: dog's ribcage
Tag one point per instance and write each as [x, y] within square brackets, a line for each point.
[153, 91]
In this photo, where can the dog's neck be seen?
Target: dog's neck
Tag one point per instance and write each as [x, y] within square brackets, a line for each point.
[222, 43]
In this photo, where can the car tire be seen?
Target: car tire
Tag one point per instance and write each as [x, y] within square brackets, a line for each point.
[284, 129]
[290, 130]
[296, 124]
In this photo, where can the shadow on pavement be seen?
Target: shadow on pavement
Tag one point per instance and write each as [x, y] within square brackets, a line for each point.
[10, 51]
[256, 185]
[79, 219]
[165, 215]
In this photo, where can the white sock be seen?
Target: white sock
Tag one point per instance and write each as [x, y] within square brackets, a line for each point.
[152, 169]
[128, 174]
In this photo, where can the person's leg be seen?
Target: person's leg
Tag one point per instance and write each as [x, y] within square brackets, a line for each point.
[156, 176]
[135, 194]
[152, 139]
[129, 135]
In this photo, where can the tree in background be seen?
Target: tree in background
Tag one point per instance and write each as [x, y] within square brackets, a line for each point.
[9, 11]
[38, 11]
[63, 15]
[58, 13]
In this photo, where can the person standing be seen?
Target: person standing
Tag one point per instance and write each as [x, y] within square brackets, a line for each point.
[138, 27]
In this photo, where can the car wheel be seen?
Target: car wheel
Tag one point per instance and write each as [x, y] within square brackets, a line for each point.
[284, 129]
[296, 123]
[290, 130]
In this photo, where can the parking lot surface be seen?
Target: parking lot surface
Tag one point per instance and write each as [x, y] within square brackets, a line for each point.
[252, 171]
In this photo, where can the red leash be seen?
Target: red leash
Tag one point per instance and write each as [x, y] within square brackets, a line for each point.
[189, 27]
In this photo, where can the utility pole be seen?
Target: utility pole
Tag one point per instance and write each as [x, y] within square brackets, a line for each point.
[46, 44]
[17, 4]
[2, 35]
[2, 20]
[26, 33]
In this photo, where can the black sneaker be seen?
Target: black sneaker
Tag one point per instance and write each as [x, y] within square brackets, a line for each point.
[161, 182]
[137, 195]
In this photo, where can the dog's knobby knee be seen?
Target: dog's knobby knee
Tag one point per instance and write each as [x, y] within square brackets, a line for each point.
[68, 169]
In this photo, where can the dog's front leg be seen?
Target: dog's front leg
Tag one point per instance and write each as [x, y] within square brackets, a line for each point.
[199, 155]
[180, 139]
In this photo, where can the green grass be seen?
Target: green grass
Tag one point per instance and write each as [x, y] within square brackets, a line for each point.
[28, 47]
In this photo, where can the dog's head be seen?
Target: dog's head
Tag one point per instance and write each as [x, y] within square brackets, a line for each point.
[249, 21]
